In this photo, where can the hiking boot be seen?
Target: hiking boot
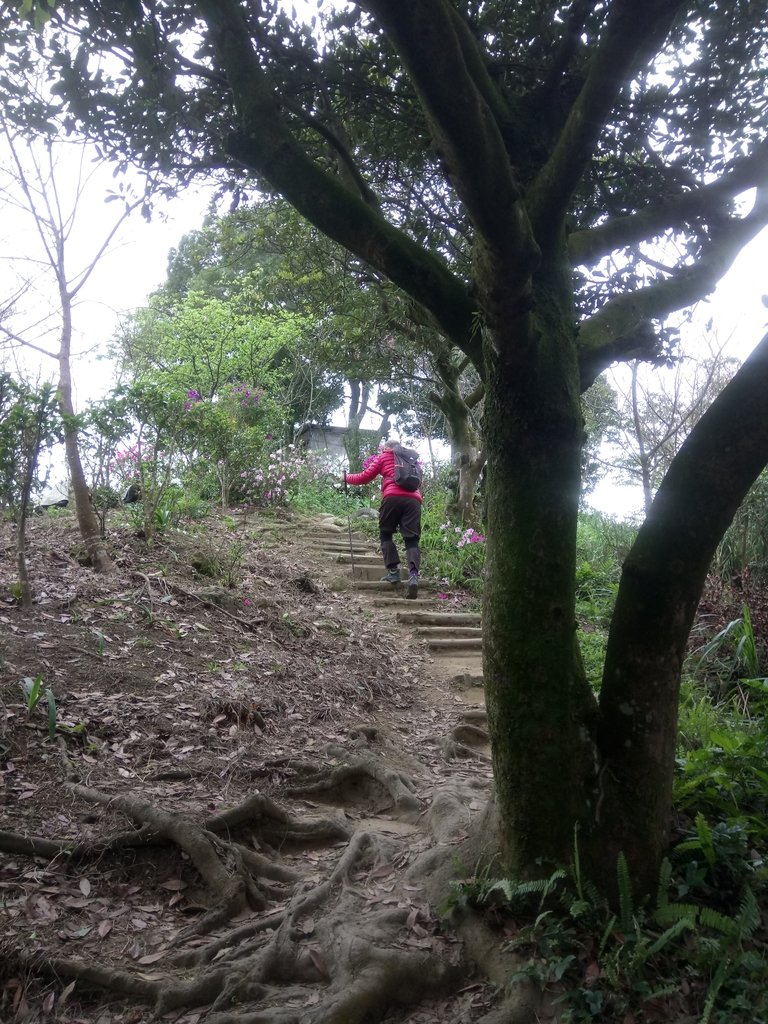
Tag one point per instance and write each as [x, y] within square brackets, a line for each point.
[393, 576]
[413, 586]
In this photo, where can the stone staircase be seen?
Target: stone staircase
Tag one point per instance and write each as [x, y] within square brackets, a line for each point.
[453, 639]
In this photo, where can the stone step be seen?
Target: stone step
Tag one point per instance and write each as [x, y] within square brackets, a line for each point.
[424, 600]
[449, 632]
[340, 544]
[439, 618]
[356, 584]
[332, 554]
[365, 557]
[374, 572]
[466, 681]
[469, 644]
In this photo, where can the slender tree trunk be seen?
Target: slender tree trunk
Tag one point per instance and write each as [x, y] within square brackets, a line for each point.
[86, 516]
[25, 586]
[468, 457]
[644, 458]
[661, 584]
[540, 708]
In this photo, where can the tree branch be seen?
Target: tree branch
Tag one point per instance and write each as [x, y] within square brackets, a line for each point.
[662, 579]
[569, 44]
[642, 343]
[585, 247]
[622, 316]
[634, 32]
[444, 69]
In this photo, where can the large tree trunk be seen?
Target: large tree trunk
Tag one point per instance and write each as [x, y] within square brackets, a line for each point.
[661, 584]
[540, 708]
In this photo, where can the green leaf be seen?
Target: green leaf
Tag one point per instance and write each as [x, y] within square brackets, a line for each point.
[32, 691]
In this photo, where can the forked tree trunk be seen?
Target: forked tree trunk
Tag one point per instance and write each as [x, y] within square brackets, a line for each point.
[661, 584]
[470, 460]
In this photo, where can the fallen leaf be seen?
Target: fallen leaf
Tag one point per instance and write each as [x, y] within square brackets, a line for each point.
[151, 958]
[85, 887]
[105, 927]
[67, 992]
[320, 964]
[382, 871]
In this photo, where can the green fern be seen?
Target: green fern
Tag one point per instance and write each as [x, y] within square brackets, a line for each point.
[706, 840]
[666, 937]
[671, 912]
[749, 915]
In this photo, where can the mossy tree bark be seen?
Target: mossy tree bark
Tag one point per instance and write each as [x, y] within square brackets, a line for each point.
[540, 708]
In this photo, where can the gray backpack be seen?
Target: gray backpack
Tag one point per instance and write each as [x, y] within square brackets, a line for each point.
[408, 469]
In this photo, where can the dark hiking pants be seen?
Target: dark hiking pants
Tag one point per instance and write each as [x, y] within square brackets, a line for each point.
[403, 514]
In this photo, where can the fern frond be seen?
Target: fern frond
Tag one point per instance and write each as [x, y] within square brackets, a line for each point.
[749, 915]
[666, 937]
[706, 839]
[726, 926]
[672, 912]
[505, 886]
[714, 988]
[607, 932]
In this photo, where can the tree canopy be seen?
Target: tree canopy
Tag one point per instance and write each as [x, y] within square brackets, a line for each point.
[488, 158]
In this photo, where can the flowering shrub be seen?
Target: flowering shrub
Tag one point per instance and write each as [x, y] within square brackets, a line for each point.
[192, 397]
[127, 464]
[226, 435]
[469, 536]
[456, 554]
[281, 474]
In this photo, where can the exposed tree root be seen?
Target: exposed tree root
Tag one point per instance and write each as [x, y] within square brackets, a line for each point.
[465, 740]
[347, 950]
[275, 825]
[350, 782]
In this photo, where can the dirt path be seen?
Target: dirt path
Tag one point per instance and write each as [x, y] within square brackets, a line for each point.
[239, 815]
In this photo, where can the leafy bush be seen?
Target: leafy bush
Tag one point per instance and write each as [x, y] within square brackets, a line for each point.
[669, 961]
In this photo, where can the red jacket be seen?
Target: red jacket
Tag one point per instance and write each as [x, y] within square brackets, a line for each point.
[383, 464]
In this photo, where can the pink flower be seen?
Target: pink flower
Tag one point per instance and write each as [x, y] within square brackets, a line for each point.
[442, 597]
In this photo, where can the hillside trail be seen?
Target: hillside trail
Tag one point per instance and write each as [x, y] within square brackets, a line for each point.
[254, 797]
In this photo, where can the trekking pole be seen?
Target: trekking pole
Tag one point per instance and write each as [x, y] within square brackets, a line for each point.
[349, 525]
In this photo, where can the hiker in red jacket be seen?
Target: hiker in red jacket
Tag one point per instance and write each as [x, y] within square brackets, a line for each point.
[399, 509]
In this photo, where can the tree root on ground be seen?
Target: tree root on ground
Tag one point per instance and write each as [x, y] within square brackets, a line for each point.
[464, 741]
[365, 780]
[276, 826]
[349, 949]
[336, 955]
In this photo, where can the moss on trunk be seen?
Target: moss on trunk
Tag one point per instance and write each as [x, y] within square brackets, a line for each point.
[539, 705]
